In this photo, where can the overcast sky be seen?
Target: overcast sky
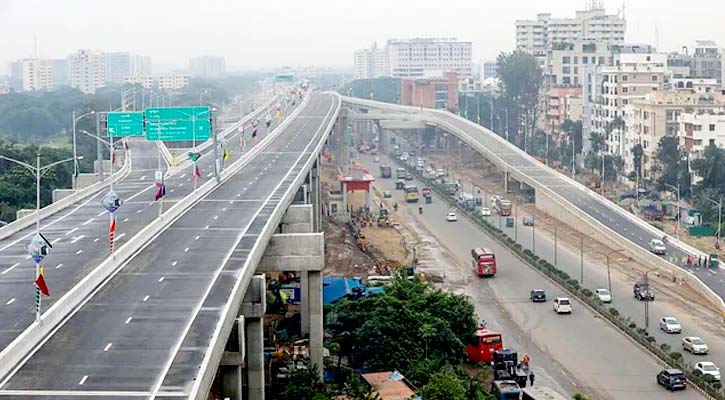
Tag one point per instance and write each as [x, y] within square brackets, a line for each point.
[272, 33]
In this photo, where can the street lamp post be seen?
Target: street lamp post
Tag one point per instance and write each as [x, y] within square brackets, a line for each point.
[75, 155]
[719, 217]
[678, 209]
[609, 272]
[533, 236]
[38, 173]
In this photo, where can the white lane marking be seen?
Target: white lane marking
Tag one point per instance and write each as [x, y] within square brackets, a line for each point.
[206, 227]
[161, 279]
[108, 346]
[181, 184]
[83, 380]
[71, 231]
[77, 238]
[224, 209]
[143, 177]
[182, 176]
[171, 191]
[128, 320]
[138, 211]
[216, 217]
[95, 240]
[58, 266]
[79, 251]
[100, 213]
[196, 237]
[87, 222]
[239, 194]
[11, 301]
[209, 174]
[119, 237]
[186, 250]
[54, 241]
[173, 264]
[125, 220]
[145, 299]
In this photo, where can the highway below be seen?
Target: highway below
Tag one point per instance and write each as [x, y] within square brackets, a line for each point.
[572, 353]
[148, 329]
[80, 237]
[583, 198]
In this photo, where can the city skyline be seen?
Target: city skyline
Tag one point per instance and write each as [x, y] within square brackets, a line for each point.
[250, 43]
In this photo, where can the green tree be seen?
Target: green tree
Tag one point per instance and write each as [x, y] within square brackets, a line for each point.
[445, 385]
[305, 384]
[712, 168]
[380, 89]
[521, 80]
[573, 129]
[637, 153]
[668, 159]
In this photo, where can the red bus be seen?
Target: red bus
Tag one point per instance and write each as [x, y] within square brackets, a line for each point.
[487, 342]
[484, 261]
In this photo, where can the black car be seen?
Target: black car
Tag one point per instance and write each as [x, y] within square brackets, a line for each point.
[643, 291]
[672, 379]
[538, 295]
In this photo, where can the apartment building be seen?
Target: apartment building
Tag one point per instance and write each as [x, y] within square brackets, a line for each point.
[213, 67]
[37, 74]
[439, 93]
[173, 81]
[371, 63]
[147, 81]
[429, 58]
[659, 114]
[489, 70]
[87, 70]
[140, 65]
[697, 130]
[536, 36]
[562, 103]
[565, 62]
[118, 66]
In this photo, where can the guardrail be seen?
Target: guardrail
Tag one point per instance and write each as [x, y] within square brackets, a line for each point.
[19, 350]
[607, 233]
[28, 220]
[200, 388]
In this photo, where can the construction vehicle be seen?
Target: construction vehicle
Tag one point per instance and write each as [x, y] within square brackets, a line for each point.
[383, 220]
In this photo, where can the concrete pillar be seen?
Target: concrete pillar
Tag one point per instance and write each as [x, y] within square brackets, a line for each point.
[231, 382]
[232, 364]
[305, 301]
[316, 328]
[315, 195]
[505, 181]
[344, 198]
[369, 198]
[255, 358]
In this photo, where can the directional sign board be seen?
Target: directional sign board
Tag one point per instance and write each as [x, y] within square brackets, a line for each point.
[178, 123]
[121, 124]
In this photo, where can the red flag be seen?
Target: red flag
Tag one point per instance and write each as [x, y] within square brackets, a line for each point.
[197, 172]
[113, 158]
[40, 283]
[161, 192]
[111, 234]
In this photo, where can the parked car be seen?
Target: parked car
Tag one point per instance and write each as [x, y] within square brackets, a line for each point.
[528, 221]
[670, 325]
[672, 379]
[562, 305]
[708, 368]
[376, 159]
[694, 345]
[603, 295]
[451, 216]
[656, 246]
[538, 295]
[387, 194]
[485, 212]
[643, 291]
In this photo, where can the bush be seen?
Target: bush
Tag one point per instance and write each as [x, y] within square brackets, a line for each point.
[517, 247]
[676, 356]
[573, 283]
[614, 311]
[587, 292]
[665, 347]
[651, 339]
[633, 325]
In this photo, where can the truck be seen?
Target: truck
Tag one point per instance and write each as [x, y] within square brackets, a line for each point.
[502, 206]
[385, 171]
[400, 173]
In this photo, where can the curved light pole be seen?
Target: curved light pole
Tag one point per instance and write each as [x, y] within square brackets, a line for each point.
[76, 171]
[111, 147]
[609, 273]
[719, 217]
[678, 208]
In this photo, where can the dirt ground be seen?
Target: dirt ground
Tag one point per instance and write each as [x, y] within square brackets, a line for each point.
[625, 269]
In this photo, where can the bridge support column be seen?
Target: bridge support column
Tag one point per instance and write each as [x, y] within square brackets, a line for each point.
[315, 195]
[253, 309]
[505, 181]
[315, 319]
[232, 363]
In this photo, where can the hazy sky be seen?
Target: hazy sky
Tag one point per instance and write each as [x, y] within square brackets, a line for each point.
[271, 33]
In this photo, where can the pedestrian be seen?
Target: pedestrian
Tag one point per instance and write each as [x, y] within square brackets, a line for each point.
[531, 378]
[689, 261]
[526, 359]
[707, 262]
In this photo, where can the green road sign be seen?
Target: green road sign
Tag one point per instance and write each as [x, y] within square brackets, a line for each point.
[284, 78]
[178, 123]
[121, 124]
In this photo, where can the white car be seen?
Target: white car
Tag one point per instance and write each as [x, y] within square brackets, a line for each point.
[451, 217]
[376, 159]
[656, 246]
[485, 212]
[603, 295]
[708, 368]
[694, 345]
[670, 325]
[562, 305]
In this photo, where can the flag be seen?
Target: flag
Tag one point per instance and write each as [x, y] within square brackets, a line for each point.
[226, 154]
[78, 171]
[254, 133]
[197, 171]
[111, 233]
[276, 116]
[113, 157]
[40, 282]
[161, 192]
[125, 145]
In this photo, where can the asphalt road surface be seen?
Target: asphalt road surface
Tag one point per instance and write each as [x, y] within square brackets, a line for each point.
[149, 327]
[572, 353]
[79, 234]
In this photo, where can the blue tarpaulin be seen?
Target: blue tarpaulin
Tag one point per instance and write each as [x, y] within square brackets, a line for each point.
[336, 288]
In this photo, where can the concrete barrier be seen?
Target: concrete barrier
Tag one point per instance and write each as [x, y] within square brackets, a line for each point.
[19, 350]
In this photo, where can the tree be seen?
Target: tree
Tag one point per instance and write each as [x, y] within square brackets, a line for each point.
[573, 129]
[712, 168]
[382, 89]
[445, 385]
[356, 389]
[668, 158]
[637, 153]
[579, 396]
[305, 384]
[521, 80]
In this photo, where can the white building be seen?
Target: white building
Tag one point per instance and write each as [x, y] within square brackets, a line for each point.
[173, 81]
[207, 67]
[489, 70]
[371, 63]
[118, 66]
[536, 36]
[429, 58]
[147, 81]
[38, 74]
[140, 65]
[697, 130]
[87, 70]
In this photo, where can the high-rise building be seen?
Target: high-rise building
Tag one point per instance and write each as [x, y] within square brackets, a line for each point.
[87, 70]
[371, 63]
[207, 67]
[60, 72]
[173, 81]
[536, 36]
[37, 74]
[140, 65]
[489, 69]
[707, 60]
[118, 66]
[15, 75]
[429, 58]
